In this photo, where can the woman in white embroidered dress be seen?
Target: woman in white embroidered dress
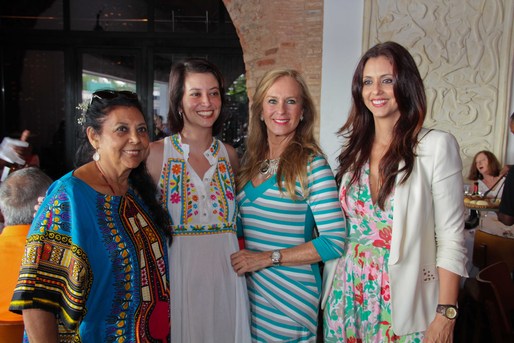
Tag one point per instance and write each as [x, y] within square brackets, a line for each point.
[195, 176]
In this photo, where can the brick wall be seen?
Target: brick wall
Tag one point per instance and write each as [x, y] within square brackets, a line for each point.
[280, 34]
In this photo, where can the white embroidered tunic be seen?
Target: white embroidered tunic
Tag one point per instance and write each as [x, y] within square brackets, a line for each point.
[209, 302]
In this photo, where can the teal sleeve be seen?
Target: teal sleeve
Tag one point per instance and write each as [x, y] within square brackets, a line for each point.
[326, 210]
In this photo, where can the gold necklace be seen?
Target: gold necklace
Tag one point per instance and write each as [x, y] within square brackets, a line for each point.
[105, 179]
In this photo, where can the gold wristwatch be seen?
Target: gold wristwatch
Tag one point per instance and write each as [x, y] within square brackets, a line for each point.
[448, 311]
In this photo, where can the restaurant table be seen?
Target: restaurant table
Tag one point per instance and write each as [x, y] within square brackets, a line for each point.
[489, 223]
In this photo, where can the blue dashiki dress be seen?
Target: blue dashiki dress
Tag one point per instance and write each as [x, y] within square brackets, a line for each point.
[209, 302]
[284, 300]
[358, 308]
[99, 263]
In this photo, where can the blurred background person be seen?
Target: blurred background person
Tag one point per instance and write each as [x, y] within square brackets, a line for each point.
[95, 266]
[195, 176]
[486, 170]
[160, 129]
[290, 212]
[401, 190]
[18, 195]
[16, 153]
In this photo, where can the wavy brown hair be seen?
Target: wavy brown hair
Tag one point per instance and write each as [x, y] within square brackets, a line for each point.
[302, 147]
[492, 163]
[359, 129]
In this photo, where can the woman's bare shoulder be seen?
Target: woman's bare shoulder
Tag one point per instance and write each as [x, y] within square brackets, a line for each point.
[154, 159]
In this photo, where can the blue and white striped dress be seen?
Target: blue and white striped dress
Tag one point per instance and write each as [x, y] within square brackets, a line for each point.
[284, 300]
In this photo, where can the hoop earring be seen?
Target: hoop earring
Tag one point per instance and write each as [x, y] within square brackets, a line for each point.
[96, 156]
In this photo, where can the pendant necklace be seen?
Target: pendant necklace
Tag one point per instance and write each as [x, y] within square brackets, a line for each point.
[269, 167]
[105, 179]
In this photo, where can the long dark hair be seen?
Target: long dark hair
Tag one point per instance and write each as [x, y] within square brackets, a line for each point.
[102, 103]
[176, 83]
[359, 129]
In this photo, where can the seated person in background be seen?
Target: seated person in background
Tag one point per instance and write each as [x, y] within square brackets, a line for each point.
[506, 211]
[18, 195]
[486, 169]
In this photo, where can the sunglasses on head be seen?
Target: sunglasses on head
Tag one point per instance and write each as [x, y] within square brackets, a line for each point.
[112, 94]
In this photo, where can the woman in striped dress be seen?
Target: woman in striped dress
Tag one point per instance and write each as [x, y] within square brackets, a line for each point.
[290, 212]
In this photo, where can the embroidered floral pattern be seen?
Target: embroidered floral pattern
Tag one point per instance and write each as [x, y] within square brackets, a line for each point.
[216, 199]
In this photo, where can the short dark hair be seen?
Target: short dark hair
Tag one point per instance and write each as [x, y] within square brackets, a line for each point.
[176, 84]
[19, 193]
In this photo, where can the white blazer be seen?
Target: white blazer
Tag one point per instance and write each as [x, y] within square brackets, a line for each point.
[428, 232]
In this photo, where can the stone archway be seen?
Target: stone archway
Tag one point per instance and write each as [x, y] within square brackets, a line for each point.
[280, 34]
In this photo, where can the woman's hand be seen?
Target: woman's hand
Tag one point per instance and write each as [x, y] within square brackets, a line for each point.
[440, 330]
[38, 205]
[245, 261]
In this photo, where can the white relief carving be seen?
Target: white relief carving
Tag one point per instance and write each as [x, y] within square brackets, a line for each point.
[463, 49]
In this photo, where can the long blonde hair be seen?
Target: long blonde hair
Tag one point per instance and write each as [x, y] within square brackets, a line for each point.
[301, 148]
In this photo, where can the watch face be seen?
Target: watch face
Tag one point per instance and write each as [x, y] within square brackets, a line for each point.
[276, 256]
[451, 313]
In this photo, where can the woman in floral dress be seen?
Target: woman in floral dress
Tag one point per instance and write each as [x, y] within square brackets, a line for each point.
[401, 191]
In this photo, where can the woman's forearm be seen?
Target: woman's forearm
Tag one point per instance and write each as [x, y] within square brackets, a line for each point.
[245, 261]
[448, 287]
[41, 326]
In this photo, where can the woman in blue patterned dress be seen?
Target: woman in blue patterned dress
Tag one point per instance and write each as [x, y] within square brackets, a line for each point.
[401, 191]
[194, 173]
[290, 212]
[95, 264]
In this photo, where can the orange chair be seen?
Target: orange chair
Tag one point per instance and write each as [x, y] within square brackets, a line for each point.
[11, 332]
[497, 295]
[488, 249]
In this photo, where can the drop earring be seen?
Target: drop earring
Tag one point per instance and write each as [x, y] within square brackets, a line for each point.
[96, 156]
[301, 118]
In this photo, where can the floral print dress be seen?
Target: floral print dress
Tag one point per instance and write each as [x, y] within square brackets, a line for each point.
[359, 307]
